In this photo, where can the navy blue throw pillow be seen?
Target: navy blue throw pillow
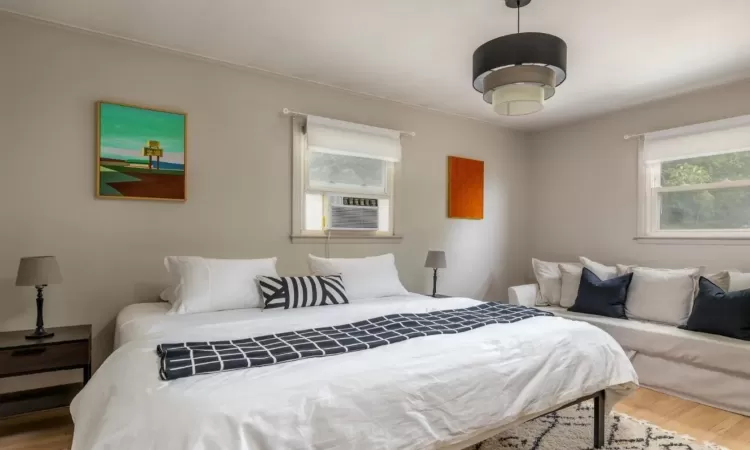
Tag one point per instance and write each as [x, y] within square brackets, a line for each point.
[719, 312]
[602, 297]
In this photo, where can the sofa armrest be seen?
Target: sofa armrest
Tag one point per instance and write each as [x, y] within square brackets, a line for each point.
[524, 295]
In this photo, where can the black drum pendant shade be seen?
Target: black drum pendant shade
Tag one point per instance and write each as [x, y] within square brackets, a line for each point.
[540, 49]
[517, 72]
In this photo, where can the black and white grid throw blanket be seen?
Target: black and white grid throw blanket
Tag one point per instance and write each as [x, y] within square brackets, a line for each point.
[195, 358]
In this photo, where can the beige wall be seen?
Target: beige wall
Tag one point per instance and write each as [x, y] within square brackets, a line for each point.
[583, 184]
[239, 178]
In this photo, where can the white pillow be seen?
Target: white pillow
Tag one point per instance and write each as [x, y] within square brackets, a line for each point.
[600, 270]
[371, 277]
[623, 269]
[721, 279]
[662, 295]
[217, 284]
[169, 294]
[738, 281]
[571, 279]
[550, 282]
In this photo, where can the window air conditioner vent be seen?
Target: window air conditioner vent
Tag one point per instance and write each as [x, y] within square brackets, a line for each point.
[352, 213]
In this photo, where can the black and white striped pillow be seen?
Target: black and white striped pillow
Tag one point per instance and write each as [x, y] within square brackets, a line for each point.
[301, 292]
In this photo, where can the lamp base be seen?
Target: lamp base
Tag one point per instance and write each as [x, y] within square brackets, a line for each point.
[40, 334]
[39, 331]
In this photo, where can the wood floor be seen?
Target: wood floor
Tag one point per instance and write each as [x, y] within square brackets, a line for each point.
[701, 422]
[48, 430]
[53, 430]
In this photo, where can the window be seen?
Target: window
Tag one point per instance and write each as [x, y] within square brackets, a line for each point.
[347, 175]
[328, 172]
[340, 159]
[695, 181]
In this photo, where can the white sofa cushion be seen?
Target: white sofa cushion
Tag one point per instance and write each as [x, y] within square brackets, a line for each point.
[721, 279]
[550, 281]
[662, 295]
[738, 281]
[571, 279]
[600, 270]
[701, 349]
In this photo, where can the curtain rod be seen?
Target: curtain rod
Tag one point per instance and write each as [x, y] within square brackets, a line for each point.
[289, 112]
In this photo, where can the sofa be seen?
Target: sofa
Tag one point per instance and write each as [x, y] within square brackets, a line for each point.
[706, 368]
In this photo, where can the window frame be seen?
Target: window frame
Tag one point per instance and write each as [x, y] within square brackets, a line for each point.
[649, 203]
[301, 186]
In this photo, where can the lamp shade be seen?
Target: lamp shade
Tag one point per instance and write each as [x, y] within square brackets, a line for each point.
[538, 49]
[518, 99]
[38, 271]
[435, 259]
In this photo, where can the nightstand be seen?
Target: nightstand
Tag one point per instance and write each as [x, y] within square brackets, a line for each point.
[69, 348]
[441, 296]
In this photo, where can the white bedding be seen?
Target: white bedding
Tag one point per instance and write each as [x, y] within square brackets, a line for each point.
[132, 322]
[431, 392]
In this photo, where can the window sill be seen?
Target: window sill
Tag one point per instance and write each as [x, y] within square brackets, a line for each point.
[346, 239]
[693, 240]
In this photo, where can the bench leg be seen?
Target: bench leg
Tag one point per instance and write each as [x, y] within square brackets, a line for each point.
[599, 420]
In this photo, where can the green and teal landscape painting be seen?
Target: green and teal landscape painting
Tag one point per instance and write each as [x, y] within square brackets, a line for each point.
[141, 153]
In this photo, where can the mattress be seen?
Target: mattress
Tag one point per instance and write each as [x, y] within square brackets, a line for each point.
[426, 393]
[133, 319]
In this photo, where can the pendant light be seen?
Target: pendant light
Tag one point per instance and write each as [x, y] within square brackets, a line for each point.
[517, 73]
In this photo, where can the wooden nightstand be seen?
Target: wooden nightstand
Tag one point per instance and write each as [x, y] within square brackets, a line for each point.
[69, 348]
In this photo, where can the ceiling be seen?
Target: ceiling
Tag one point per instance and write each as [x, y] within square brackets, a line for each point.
[620, 53]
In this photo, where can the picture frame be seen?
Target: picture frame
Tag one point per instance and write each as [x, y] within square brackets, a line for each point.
[141, 153]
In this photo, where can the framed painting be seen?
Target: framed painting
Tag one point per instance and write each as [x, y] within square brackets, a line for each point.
[465, 188]
[141, 153]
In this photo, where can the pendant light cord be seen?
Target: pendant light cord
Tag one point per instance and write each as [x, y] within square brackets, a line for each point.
[518, 3]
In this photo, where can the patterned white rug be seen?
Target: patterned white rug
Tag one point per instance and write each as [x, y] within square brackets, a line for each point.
[573, 428]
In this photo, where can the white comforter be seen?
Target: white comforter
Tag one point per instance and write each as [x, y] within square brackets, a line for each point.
[424, 393]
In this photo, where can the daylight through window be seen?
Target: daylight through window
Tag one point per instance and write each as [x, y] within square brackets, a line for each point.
[695, 182]
[347, 173]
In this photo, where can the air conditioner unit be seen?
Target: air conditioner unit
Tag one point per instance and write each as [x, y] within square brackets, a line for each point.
[351, 213]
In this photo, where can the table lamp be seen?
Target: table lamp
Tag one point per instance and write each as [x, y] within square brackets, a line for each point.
[39, 271]
[435, 260]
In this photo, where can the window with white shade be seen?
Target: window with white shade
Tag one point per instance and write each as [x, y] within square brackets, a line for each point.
[327, 171]
[695, 181]
[342, 166]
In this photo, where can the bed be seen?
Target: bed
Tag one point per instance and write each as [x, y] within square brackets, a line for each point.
[436, 392]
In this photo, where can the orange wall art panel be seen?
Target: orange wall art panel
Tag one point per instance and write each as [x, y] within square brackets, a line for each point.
[465, 188]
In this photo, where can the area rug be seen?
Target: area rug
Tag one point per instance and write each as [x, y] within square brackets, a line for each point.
[572, 429]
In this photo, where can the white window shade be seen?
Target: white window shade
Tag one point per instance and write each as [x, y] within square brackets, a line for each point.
[712, 138]
[346, 138]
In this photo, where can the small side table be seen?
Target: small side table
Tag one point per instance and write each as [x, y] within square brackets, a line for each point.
[69, 348]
